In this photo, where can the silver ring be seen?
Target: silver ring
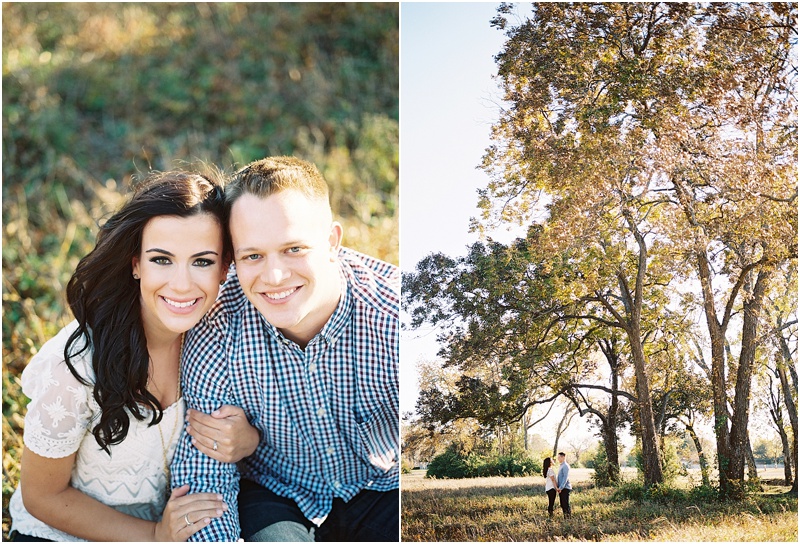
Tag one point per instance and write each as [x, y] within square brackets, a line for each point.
[215, 445]
[186, 518]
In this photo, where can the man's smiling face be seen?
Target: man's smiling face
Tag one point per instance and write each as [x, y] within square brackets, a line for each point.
[285, 248]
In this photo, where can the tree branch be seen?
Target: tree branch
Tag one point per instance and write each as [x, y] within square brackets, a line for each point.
[607, 390]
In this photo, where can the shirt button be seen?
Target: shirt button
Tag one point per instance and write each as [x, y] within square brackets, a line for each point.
[336, 484]
[320, 411]
[312, 367]
[330, 450]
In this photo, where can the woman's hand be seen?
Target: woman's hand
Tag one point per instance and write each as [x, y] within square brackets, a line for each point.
[186, 514]
[224, 435]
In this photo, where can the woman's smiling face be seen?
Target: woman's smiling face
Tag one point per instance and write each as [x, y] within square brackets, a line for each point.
[180, 269]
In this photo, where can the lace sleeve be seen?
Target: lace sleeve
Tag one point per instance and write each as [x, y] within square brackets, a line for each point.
[60, 411]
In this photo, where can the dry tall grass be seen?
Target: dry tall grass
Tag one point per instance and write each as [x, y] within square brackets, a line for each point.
[515, 510]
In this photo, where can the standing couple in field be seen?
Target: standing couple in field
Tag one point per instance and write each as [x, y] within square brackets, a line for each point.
[557, 484]
[284, 370]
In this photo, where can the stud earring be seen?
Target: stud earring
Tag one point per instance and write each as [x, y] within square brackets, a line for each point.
[136, 276]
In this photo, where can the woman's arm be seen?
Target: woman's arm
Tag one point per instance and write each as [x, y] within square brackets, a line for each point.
[552, 476]
[48, 496]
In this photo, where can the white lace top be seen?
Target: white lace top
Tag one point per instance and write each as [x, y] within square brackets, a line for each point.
[61, 415]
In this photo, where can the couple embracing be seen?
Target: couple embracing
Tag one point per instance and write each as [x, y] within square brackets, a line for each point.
[557, 485]
[283, 369]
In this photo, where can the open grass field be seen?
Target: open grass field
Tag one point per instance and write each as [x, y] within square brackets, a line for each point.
[515, 510]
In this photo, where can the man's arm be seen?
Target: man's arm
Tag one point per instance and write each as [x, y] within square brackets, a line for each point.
[205, 388]
[562, 475]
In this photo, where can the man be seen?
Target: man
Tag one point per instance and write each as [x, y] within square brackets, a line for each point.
[563, 487]
[304, 337]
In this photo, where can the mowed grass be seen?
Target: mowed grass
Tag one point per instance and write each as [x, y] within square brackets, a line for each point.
[515, 510]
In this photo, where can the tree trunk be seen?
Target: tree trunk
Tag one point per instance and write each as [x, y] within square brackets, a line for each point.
[791, 406]
[739, 440]
[612, 453]
[717, 335]
[776, 412]
[651, 457]
[752, 469]
[610, 434]
[700, 454]
[728, 487]
[787, 457]
[609, 424]
[525, 420]
[562, 426]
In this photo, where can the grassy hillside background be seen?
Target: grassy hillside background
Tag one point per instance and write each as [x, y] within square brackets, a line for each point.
[94, 94]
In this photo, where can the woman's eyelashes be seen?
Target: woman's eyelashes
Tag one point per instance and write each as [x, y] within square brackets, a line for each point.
[163, 261]
[201, 262]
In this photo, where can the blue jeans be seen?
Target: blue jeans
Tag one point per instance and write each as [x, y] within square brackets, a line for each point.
[370, 516]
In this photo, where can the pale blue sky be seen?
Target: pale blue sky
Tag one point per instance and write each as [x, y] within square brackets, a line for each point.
[447, 105]
[448, 102]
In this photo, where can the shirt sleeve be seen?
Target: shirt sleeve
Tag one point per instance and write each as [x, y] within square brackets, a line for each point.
[59, 413]
[206, 388]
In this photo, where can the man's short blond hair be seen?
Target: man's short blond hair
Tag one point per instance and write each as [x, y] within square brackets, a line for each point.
[272, 175]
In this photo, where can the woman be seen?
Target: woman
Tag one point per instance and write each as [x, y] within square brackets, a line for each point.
[106, 410]
[550, 486]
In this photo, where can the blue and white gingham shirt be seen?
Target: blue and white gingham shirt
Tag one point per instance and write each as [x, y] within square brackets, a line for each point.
[328, 416]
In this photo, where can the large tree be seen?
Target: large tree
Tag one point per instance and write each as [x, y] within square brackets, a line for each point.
[666, 131]
[730, 161]
[530, 319]
[569, 148]
[499, 326]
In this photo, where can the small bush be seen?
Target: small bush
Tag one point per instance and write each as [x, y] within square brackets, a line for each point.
[603, 475]
[704, 493]
[633, 491]
[451, 464]
[512, 465]
[665, 494]
[447, 465]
